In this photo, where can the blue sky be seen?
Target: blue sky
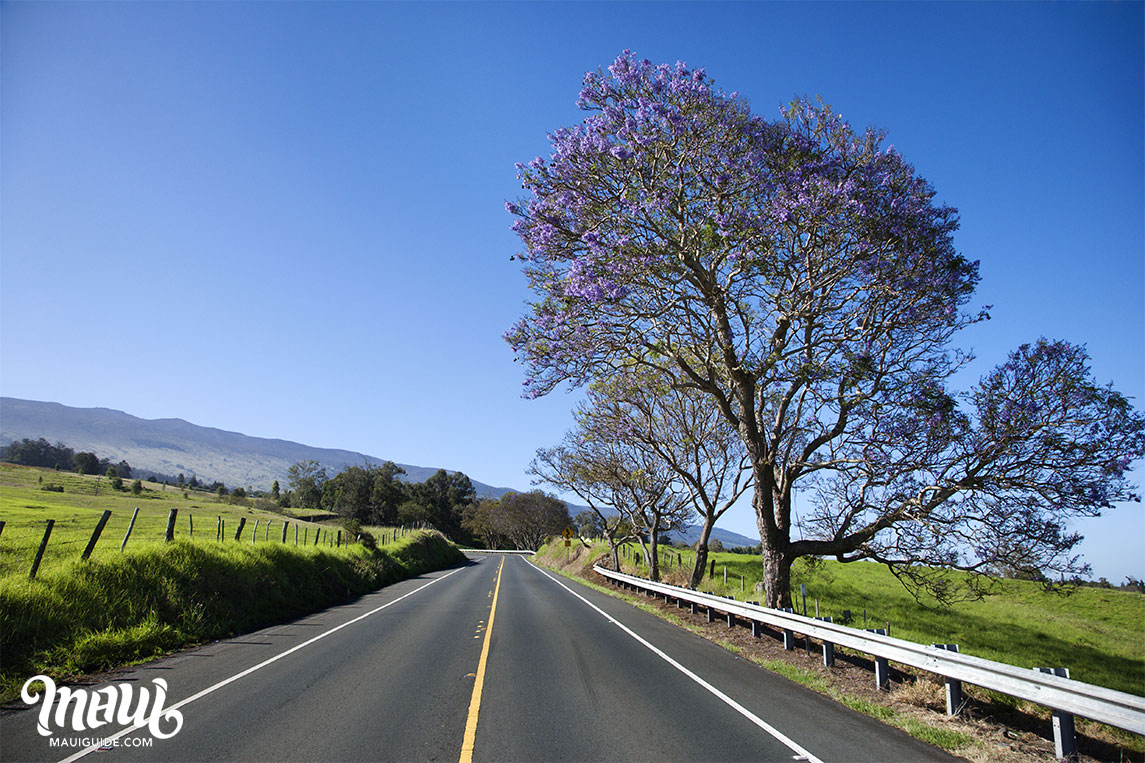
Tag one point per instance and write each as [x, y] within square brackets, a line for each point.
[287, 219]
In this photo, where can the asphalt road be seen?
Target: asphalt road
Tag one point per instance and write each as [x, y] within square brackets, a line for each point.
[565, 673]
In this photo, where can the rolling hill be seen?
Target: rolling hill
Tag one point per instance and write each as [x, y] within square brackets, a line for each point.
[173, 446]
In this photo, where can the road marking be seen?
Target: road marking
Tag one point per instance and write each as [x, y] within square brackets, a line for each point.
[475, 702]
[248, 671]
[801, 753]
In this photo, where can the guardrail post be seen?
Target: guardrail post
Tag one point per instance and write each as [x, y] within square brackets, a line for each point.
[828, 647]
[882, 667]
[882, 672]
[788, 634]
[756, 625]
[731, 620]
[954, 696]
[1065, 740]
[695, 608]
[711, 614]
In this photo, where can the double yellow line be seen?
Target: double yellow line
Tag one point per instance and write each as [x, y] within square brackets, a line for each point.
[475, 700]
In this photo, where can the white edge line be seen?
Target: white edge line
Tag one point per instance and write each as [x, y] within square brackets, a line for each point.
[104, 740]
[779, 735]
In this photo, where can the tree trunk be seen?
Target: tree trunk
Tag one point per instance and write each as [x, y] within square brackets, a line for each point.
[776, 578]
[654, 567]
[701, 553]
[774, 535]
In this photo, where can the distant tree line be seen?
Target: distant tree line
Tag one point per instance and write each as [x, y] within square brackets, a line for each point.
[29, 452]
[376, 494]
[41, 453]
[519, 520]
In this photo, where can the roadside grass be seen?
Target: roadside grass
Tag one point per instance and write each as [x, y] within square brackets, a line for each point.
[122, 607]
[84, 617]
[1098, 633]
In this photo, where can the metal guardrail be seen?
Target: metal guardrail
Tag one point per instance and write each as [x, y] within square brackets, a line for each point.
[496, 551]
[1116, 708]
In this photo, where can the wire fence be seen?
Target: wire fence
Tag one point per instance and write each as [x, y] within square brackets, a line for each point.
[28, 547]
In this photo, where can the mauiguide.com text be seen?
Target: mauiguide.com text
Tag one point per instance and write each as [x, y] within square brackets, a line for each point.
[102, 743]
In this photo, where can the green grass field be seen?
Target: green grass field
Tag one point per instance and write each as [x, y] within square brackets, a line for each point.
[121, 607]
[25, 506]
[1098, 633]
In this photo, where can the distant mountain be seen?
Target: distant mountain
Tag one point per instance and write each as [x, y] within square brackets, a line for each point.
[727, 537]
[174, 446]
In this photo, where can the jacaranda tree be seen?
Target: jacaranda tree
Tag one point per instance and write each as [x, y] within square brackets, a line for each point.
[801, 275]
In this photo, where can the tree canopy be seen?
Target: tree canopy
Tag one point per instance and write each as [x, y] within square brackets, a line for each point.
[800, 275]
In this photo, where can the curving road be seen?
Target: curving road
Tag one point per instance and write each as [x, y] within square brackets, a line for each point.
[414, 672]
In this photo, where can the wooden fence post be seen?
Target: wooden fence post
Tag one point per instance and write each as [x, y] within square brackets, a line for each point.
[296, 533]
[339, 539]
[239, 532]
[130, 526]
[219, 529]
[254, 532]
[266, 535]
[285, 527]
[170, 536]
[43, 546]
[1, 526]
[95, 535]
[191, 521]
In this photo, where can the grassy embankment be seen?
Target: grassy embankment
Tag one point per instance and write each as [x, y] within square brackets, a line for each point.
[124, 607]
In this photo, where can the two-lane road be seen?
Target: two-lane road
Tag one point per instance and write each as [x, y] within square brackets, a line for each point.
[566, 673]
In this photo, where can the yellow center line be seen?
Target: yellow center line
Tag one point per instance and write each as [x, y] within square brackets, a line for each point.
[475, 701]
